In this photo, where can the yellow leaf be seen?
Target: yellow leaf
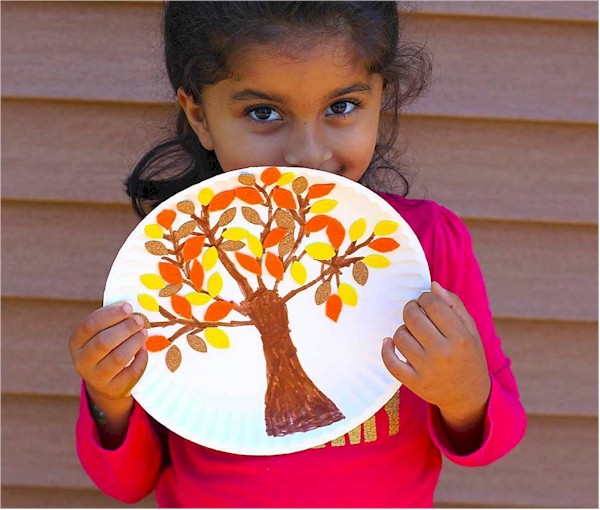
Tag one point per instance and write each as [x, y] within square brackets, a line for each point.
[205, 196]
[235, 234]
[147, 302]
[357, 229]
[286, 178]
[376, 261]
[210, 258]
[152, 281]
[347, 294]
[154, 231]
[298, 272]
[215, 285]
[385, 228]
[198, 298]
[217, 338]
[320, 251]
[323, 206]
[255, 246]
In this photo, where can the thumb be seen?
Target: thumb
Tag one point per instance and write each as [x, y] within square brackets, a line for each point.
[457, 306]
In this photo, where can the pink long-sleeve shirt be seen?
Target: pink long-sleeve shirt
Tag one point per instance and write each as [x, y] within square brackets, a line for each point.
[393, 460]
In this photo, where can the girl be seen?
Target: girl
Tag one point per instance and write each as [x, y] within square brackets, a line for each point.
[319, 85]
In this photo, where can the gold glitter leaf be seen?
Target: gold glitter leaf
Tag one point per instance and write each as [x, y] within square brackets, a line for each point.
[186, 229]
[247, 179]
[170, 290]
[286, 245]
[322, 293]
[232, 245]
[251, 215]
[227, 217]
[360, 272]
[145, 319]
[284, 220]
[173, 358]
[186, 207]
[156, 248]
[196, 343]
[299, 185]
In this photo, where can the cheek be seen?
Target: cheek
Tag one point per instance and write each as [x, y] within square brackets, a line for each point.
[239, 149]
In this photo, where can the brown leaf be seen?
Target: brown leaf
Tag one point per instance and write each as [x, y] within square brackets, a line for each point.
[322, 293]
[360, 272]
[286, 245]
[299, 185]
[251, 215]
[232, 245]
[227, 217]
[173, 358]
[145, 319]
[156, 248]
[170, 290]
[186, 207]
[247, 179]
[186, 229]
[197, 343]
[284, 220]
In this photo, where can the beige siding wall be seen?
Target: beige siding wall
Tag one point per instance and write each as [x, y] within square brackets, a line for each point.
[507, 138]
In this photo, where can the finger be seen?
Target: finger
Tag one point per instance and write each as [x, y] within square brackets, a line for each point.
[420, 325]
[119, 357]
[401, 370]
[408, 346]
[97, 321]
[457, 306]
[127, 378]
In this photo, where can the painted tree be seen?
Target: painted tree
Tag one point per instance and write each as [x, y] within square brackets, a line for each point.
[275, 243]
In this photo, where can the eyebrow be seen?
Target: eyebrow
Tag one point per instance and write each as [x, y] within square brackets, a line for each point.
[249, 94]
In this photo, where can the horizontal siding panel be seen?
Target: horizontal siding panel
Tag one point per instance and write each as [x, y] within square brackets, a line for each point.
[559, 445]
[483, 67]
[525, 265]
[501, 170]
[36, 360]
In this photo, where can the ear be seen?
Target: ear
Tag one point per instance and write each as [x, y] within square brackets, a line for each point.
[197, 119]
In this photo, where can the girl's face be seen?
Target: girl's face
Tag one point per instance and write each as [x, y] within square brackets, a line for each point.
[317, 110]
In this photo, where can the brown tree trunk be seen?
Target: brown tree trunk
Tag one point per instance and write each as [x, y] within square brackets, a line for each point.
[292, 403]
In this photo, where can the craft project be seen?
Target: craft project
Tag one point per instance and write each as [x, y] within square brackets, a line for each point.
[266, 293]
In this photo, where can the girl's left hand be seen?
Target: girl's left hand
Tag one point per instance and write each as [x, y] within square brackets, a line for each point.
[445, 361]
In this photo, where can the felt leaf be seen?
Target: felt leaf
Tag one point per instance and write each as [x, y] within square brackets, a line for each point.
[333, 307]
[147, 302]
[173, 358]
[319, 190]
[322, 293]
[323, 206]
[198, 298]
[320, 251]
[385, 228]
[205, 196]
[215, 285]
[360, 272]
[154, 231]
[298, 272]
[196, 343]
[210, 258]
[157, 343]
[152, 281]
[247, 179]
[218, 310]
[300, 185]
[147, 324]
[270, 175]
[170, 272]
[186, 229]
[232, 245]
[227, 217]
[284, 198]
[156, 248]
[274, 237]
[384, 244]
[286, 245]
[248, 263]
[255, 246]
[251, 215]
[249, 195]
[169, 290]
[357, 229]
[192, 248]
[217, 338]
[186, 207]
[348, 294]
[197, 275]
[221, 200]
[286, 178]
[181, 306]
[274, 266]
[335, 233]
[284, 220]
[165, 218]
[235, 234]
[377, 261]
[317, 223]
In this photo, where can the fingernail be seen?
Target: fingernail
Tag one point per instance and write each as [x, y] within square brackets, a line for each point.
[387, 340]
[127, 308]
[138, 320]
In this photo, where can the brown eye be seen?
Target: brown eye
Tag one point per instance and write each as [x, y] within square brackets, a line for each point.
[343, 107]
[263, 114]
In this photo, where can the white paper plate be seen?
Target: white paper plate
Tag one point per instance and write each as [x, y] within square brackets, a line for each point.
[217, 398]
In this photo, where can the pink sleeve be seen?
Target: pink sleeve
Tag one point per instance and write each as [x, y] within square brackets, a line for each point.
[455, 268]
[128, 473]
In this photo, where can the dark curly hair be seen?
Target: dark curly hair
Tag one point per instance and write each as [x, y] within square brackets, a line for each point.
[201, 40]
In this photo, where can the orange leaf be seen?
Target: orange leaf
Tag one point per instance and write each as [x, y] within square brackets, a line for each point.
[317, 223]
[157, 343]
[217, 311]
[319, 190]
[274, 266]
[384, 244]
[221, 200]
[336, 233]
[274, 237]
[249, 263]
[193, 247]
[197, 275]
[270, 175]
[249, 195]
[284, 198]
[333, 307]
[170, 272]
[181, 306]
[165, 218]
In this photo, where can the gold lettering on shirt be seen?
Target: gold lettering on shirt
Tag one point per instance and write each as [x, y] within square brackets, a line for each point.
[392, 408]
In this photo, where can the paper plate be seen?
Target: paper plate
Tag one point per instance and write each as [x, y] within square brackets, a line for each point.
[268, 292]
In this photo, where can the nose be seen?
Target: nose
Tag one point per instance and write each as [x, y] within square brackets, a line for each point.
[306, 147]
